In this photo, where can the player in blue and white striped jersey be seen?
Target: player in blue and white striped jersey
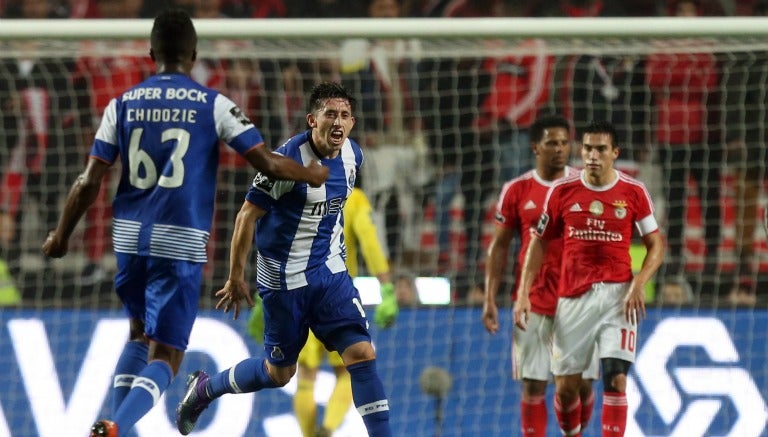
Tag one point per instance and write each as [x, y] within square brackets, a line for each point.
[301, 273]
[166, 131]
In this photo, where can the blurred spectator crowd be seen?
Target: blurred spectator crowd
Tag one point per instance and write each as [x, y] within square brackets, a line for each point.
[441, 134]
[359, 9]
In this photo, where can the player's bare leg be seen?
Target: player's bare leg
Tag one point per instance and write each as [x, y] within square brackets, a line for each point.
[339, 402]
[304, 405]
[568, 404]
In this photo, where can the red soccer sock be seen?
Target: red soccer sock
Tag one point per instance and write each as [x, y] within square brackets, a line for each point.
[569, 417]
[614, 414]
[533, 417]
[587, 406]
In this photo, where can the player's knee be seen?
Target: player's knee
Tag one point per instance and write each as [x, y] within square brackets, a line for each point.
[615, 374]
[136, 331]
[358, 352]
[281, 375]
[567, 387]
[533, 388]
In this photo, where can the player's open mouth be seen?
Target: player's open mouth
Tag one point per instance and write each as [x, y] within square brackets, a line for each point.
[337, 135]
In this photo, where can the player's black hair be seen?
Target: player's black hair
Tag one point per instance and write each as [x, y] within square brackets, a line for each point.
[602, 127]
[547, 122]
[328, 90]
[173, 38]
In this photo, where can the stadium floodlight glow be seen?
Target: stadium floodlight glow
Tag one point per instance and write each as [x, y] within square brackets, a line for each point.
[431, 290]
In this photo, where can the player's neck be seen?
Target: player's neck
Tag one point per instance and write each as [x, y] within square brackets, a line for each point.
[601, 179]
[171, 67]
[549, 174]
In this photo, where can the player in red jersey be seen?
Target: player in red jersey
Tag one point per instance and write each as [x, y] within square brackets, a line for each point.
[600, 303]
[517, 212]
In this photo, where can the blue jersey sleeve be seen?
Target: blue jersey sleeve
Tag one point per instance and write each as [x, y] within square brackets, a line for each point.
[233, 127]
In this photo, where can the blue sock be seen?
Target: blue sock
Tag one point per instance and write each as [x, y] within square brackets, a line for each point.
[247, 376]
[147, 388]
[370, 400]
[132, 361]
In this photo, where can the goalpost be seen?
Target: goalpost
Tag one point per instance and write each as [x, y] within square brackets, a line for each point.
[439, 143]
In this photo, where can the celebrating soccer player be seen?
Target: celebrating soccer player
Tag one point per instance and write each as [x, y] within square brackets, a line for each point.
[600, 302]
[166, 132]
[301, 274]
[518, 211]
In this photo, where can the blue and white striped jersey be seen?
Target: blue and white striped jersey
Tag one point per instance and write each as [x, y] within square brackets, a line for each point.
[302, 229]
[166, 131]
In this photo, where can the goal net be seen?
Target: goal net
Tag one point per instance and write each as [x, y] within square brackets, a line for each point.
[443, 111]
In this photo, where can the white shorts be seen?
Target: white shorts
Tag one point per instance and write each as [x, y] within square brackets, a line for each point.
[593, 320]
[532, 349]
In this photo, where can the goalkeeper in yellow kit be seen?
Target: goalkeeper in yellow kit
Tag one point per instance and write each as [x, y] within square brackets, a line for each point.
[359, 234]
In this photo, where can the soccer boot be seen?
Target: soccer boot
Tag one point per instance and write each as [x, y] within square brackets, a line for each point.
[195, 401]
[104, 428]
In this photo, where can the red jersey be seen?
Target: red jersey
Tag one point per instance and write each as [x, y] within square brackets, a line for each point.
[596, 225]
[681, 83]
[520, 85]
[111, 76]
[520, 205]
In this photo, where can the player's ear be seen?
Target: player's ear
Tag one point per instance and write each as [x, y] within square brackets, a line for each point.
[311, 120]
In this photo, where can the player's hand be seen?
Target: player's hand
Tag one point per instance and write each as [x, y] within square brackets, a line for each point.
[256, 320]
[318, 173]
[491, 317]
[386, 312]
[521, 310]
[7, 228]
[55, 246]
[232, 295]
[634, 303]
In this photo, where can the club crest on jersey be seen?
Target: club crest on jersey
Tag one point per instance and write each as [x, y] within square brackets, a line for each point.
[277, 353]
[500, 217]
[543, 220]
[238, 114]
[351, 180]
[596, 207]
[263, 182]
[620, 209]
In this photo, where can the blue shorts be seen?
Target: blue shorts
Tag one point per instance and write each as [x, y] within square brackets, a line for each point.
[330, 305]
[163, 293]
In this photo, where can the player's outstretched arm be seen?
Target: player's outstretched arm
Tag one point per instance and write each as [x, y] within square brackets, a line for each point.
[236, 288]
[494, 268]
[81, 196]
[634, 302]
[278, 166]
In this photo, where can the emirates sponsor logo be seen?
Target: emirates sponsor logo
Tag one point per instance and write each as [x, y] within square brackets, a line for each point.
[594, 235]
